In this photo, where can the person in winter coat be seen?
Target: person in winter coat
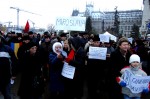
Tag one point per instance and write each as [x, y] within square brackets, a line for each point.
[32, 80]
[135, 69]
[119, 59]
[76, 59]
[8, 68]
[94, 68]
[56, 85]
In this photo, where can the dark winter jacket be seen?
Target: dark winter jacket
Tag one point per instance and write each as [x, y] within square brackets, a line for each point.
[8, 63]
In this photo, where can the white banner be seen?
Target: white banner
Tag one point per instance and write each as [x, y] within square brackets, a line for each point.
[130, 40]
[104, 38]
[136, 83]
[97, 53]
[68, 71]
[70, 23]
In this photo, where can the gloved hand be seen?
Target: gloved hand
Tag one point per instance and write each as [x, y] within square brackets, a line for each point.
[122, 84]
[146, 90]
[120, 81]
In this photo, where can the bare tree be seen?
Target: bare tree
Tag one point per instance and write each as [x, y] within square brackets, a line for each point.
[50, 28]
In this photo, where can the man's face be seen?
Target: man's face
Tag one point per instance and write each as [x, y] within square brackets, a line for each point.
[47, 39]
[96, 43]
[124, 46]
[63, 38]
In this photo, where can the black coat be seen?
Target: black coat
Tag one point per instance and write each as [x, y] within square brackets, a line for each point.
[8, 66]
[118, 61]
[31, 69]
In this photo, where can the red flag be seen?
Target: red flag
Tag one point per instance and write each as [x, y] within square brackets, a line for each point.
[27, 27]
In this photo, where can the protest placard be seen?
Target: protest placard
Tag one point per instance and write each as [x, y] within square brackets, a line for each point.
[130, 40]
[97, 53]
[104, 38]
[136, 83]
[68, 71]
[70, 23]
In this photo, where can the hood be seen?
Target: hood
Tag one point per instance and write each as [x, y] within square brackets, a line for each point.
[76, 42]
[56, 44]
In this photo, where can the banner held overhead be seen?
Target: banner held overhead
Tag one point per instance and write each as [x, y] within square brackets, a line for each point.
[70, 23]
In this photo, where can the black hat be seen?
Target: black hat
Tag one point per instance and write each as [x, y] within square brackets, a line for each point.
[63, 35]
[96, 38]
[12, 32]
[30, 32]
[26, 37]
[31, 44]
[47, 36]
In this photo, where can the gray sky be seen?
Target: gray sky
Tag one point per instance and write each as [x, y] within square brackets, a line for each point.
[50, 9]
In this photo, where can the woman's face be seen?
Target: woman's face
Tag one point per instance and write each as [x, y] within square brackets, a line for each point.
[33, 50]
[66, 45]
[58, 49]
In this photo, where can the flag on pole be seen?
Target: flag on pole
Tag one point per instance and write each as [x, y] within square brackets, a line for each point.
[27, 27]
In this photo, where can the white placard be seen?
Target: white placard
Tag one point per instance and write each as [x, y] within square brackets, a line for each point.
[136, 83]
[97, 53]
[104, 38]
[70, 23]
[4, 54]
[130, 40]
[68, 71]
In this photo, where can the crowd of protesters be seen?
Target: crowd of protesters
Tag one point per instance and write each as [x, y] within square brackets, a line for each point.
[39, 61]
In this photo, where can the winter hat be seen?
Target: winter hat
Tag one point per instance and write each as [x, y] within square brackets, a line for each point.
[63, 35]
[31, 44]
[26, 38]
[96, 38]
[56, 44]
[133, 58]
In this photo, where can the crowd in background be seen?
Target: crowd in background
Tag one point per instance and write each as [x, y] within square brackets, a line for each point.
[39, 61]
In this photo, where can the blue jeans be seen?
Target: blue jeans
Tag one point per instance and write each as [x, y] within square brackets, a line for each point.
[127, 97]
[6, 91]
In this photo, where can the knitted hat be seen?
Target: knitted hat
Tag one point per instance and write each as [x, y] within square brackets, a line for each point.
[134, 58]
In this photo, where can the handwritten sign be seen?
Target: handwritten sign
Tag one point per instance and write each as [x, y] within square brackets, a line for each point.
[68, 71]
[70, 23]
[136, 83]
[97, 53]
[104, 38]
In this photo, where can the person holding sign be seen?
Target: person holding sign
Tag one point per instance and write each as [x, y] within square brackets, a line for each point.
[75, 60]
[129, 90]
[95, 70]
[56, 85]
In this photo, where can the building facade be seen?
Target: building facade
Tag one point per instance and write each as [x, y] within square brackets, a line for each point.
[102, 21]
[145, 17]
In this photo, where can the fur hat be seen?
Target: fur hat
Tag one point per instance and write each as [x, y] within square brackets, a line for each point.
[133, 58]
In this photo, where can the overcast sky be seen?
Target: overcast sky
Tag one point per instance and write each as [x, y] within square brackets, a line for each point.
[50, 9]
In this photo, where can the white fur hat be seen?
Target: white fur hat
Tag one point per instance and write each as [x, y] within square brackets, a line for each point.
[133, 58]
